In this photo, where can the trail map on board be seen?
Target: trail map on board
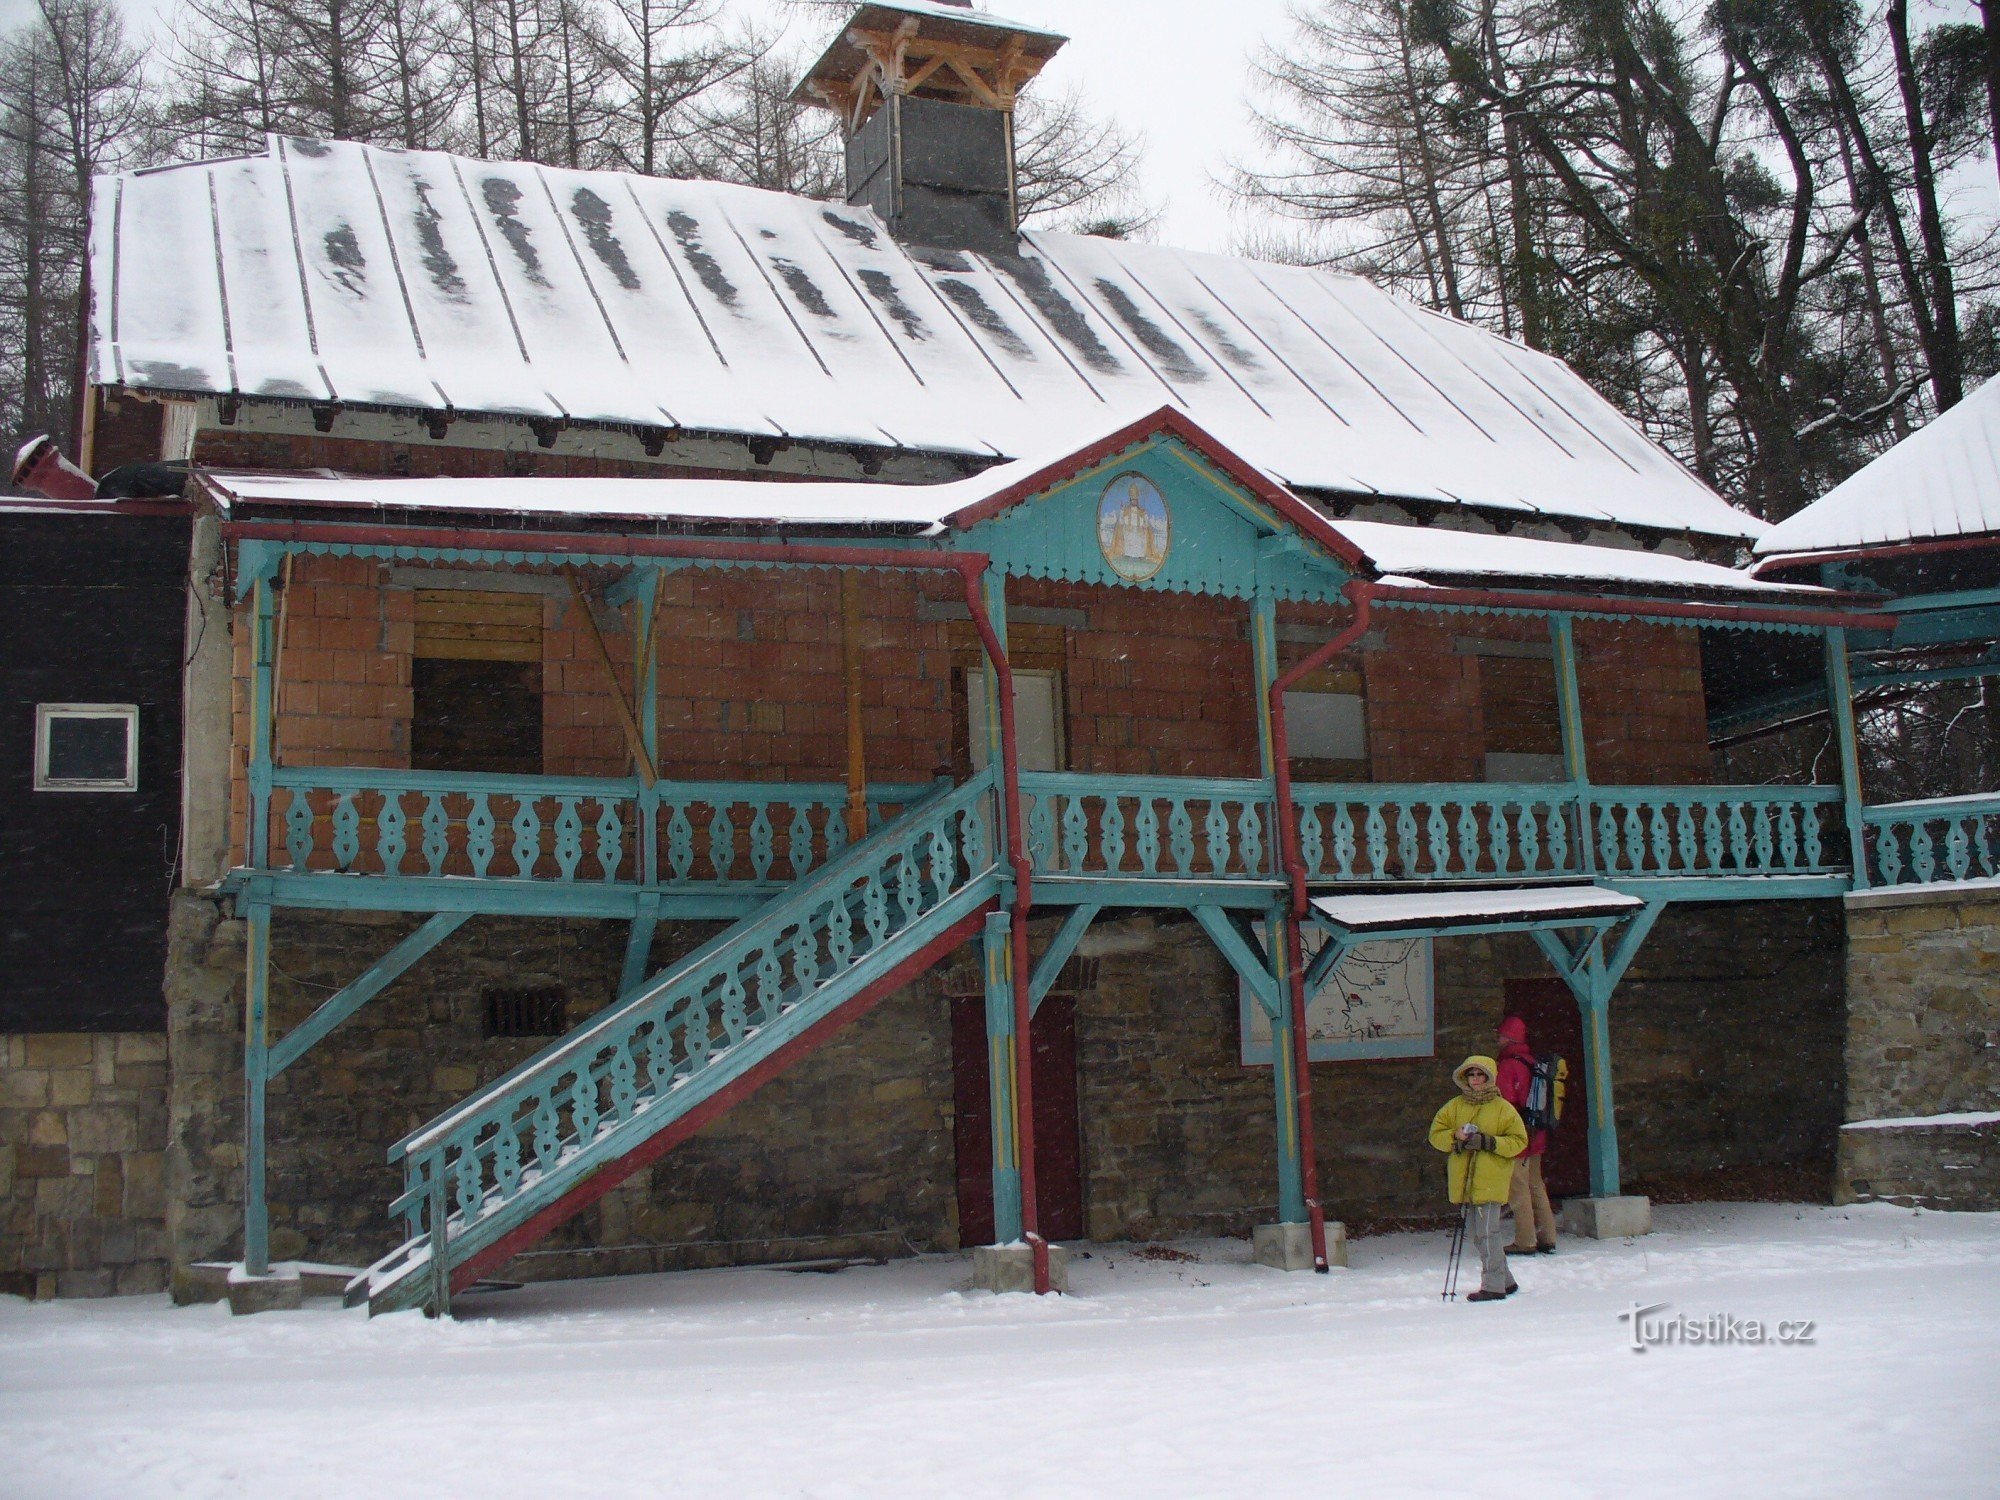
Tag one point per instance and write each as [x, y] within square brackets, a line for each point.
[1376, 1004]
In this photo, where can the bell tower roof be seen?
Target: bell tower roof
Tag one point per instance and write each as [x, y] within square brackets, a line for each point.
[925, 49]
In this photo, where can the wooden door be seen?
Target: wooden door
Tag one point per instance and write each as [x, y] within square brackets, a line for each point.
[1058, 1138]
[1556, 1025]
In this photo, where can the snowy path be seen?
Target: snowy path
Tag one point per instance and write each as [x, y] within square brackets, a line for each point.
[1205, 1379]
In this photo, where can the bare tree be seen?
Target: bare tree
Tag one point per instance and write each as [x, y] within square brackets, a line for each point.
[73, 103]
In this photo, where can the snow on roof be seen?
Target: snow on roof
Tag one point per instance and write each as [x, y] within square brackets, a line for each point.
[1455, 908]
[1439, 556]
[342, 273]
[1941, 481]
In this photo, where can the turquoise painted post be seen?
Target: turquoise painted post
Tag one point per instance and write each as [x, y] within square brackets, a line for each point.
[256, 1071]
[1840, 697]
[1002, 1056]
[1601, 1129]
[993, 593]
[262, 714]
[646, 682]
[1284, 1082]
[1576, 765]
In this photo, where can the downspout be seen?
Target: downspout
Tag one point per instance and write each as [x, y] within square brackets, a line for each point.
[970, 568]
[1362, 596]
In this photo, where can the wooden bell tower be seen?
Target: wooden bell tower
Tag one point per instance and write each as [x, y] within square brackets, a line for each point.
[926, 90]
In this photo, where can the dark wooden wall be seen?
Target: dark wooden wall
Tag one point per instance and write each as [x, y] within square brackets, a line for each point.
[92, 610]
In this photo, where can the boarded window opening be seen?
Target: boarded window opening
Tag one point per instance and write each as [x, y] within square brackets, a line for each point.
[476, 683]
[1517, 700]
[527, 1010]
[1326, 726]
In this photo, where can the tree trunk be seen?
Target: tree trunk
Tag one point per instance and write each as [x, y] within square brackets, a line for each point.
[1947, 377]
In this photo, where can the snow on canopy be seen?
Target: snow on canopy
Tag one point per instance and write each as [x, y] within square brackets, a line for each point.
[332, 272]
[1941, 481]
[1407, 909]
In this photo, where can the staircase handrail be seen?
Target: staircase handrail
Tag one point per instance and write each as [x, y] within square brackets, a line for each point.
[945, 799]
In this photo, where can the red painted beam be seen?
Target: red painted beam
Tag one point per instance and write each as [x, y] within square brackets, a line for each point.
[612, 1173]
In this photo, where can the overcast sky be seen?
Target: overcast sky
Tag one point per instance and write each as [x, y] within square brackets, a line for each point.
[1173, 71]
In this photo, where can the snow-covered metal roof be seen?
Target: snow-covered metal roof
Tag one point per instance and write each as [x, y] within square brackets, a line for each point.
[1437, 555]
[331, 272]
[1941, 481]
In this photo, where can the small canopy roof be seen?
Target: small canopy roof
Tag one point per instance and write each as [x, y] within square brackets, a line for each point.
[1432, 910]
[1940, 482]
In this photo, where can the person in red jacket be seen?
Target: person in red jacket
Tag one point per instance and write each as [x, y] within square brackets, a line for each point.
[1534, 1220]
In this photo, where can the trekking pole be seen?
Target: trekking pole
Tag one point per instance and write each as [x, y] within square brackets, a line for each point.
[1454, 1248]
[1455, 1253]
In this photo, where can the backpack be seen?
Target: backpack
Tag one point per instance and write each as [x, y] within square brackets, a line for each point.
[1548, 1084]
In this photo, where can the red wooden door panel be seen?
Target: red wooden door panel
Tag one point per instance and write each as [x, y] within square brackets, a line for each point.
[1058, 1139]
[1556, 1025]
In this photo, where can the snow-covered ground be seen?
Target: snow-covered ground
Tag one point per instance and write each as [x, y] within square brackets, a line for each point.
[1160, 1377]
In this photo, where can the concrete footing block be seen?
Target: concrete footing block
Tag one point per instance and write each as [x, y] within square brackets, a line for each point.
[1288, 1247]
[1607, 1218]
[280, 1291]
[204, 1281]
[1011, 1268]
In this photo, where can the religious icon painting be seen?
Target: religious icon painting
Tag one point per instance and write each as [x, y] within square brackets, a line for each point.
[1134, 529]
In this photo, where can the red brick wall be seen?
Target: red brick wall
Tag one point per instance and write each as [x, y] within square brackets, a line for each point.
[750, 684]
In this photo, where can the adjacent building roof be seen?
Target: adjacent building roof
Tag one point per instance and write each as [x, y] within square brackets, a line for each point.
[1941, 481]
[331, 272]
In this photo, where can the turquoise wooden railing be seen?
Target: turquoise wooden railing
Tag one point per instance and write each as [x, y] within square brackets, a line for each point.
[1436, 831]
[1944, 839]
[425, 823]
[1148, 827]
[1486, 831]
[1718, 830]
[522, 1142]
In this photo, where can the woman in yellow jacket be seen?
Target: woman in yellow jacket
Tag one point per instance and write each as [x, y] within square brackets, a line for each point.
[1482, 1134]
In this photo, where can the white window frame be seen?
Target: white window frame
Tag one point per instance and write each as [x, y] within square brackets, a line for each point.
[45, 716]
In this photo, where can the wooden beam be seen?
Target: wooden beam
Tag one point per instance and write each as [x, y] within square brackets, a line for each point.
[377, 977]
[635, 739]
[1058, 953]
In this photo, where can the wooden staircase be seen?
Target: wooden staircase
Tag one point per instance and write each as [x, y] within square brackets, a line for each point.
[501, 1169]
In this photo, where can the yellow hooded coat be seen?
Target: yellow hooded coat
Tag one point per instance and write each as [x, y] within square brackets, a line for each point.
[1491, 1172]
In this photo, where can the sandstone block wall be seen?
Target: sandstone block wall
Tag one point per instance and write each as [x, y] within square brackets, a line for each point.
[82, 1141]
[1923, 1039]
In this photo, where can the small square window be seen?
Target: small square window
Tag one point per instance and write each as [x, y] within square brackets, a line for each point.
[86, 747]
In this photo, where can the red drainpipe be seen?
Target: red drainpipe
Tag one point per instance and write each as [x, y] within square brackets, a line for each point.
[1362, 595]
[970, 568]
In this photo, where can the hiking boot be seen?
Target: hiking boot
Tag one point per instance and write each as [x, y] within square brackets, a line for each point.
[1527, 1250]
[1482, 1295]
[1512, 1287]
[1548, 1249]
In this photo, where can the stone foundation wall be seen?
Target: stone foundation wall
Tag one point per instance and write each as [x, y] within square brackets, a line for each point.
[1923, 1039]
[850, 1152]
[83, 1120]
[1726, 1039]
[1726, 1045]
